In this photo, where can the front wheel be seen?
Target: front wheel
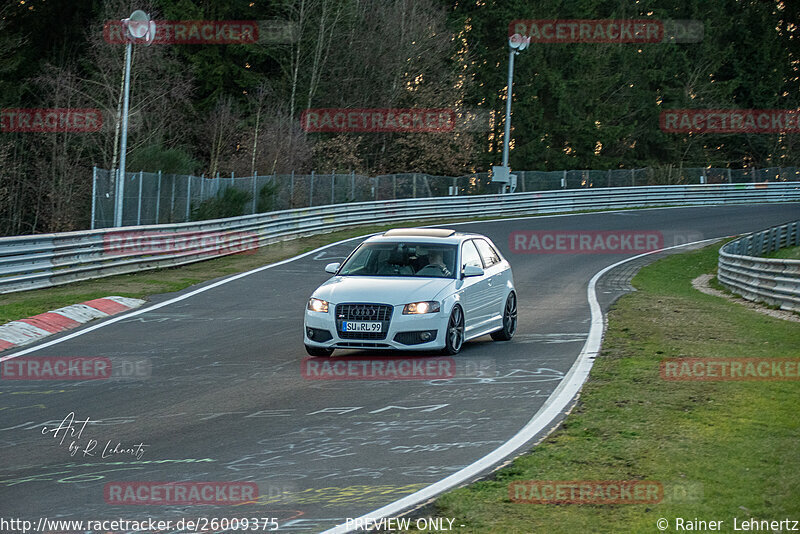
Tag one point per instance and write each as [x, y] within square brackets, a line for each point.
[509, 320]
[321, 352]
[454, 336]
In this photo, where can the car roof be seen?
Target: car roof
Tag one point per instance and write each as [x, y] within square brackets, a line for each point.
[423, 235]
[427, 232]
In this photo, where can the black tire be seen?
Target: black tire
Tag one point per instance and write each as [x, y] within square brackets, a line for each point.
[320, 352]
[454, 335]
[509, 320]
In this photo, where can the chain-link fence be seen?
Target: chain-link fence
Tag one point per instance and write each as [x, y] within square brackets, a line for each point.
[156, 198]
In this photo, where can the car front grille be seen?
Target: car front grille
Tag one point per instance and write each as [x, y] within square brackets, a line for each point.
[363, 312]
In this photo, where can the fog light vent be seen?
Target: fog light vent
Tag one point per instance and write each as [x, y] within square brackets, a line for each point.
[416, 337]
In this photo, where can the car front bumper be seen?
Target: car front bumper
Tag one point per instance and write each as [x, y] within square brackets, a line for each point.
[404, 332]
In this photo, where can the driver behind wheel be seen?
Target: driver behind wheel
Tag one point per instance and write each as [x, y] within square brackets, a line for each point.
[436, 265]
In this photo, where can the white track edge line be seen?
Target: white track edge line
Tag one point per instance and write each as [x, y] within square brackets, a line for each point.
[172, 300]
[553, 406]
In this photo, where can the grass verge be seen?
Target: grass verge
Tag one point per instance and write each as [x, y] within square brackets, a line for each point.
[722, 450]
[790, 253]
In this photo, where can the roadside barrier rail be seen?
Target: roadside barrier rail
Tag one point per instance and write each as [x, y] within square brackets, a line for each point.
[774, 281]
[36, 261]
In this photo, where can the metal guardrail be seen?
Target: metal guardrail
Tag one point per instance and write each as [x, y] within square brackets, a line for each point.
[770, 280]
[161, 198]
[30, 262]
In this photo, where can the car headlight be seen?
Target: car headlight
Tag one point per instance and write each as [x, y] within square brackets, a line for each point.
[415, 308]
[318, 305]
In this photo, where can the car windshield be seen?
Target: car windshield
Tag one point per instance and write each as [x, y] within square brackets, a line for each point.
[423, 260]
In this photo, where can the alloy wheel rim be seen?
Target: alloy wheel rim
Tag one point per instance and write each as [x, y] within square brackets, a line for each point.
[455, 329]
[510, 318]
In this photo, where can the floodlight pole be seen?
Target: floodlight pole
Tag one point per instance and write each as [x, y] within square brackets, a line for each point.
[137, 26]
[502, 173]
[512, 52]
[120, 190]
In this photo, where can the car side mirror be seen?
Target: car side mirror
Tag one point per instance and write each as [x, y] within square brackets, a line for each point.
[332, 267]
[471, 270]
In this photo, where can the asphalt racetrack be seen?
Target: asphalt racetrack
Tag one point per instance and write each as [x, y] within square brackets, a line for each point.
[221, 392]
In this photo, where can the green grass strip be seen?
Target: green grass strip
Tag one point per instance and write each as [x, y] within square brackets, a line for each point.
[722, 450]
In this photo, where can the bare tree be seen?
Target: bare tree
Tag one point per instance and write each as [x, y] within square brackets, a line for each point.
[223, 124]
[330, 13]
[160, 89]
[394, 53]
[58, 176]
[281, 146]
[299, 19]
[261, 94]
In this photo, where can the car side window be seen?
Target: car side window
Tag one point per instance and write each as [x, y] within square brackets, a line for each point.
[489, 254]
[470, 255]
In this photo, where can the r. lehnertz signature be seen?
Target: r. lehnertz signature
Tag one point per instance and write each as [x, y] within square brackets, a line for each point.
[73, 429]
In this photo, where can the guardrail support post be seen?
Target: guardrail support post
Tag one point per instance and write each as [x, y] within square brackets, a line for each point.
[189, 196]
[94, 194]
[158, 196]
[172, 200]
[333, 182]
[291, 192]
[139, 209]
[352, 185]
[254, 193]
[311, 191]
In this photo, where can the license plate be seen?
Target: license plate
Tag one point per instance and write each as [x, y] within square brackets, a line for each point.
[361, 326]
